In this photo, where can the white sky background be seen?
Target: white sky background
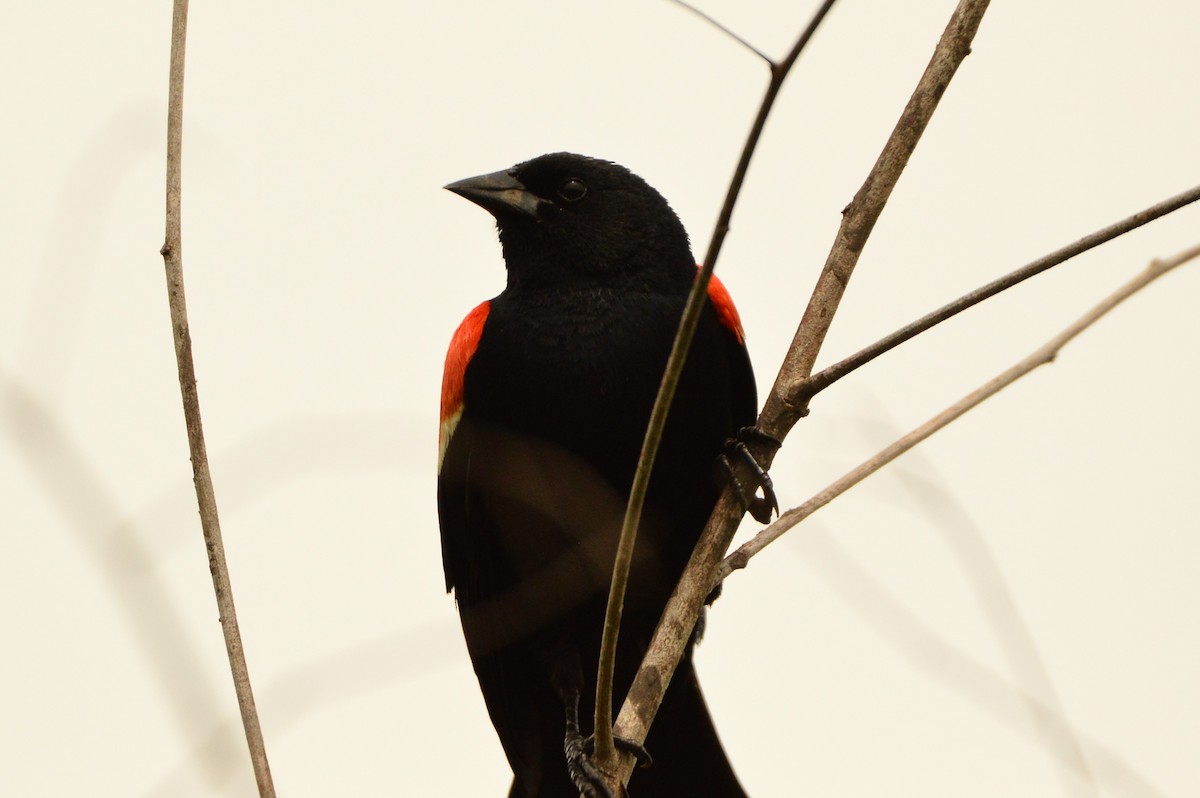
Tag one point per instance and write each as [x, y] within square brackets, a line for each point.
[326, 269]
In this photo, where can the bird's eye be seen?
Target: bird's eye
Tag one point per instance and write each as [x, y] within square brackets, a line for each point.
[572, 189]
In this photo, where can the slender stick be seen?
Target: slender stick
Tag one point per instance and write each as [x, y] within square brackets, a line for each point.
[726, 31]
[823, 379]
[780, 413]
[606, 753]
[1043, 355]
[172, 252]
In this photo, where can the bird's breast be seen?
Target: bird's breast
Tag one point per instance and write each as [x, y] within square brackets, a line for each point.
[576, 367]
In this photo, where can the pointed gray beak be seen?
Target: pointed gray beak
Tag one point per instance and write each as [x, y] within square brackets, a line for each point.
[499, 193]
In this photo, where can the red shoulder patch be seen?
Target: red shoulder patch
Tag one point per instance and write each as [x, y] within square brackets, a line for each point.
[462, 348]
[722, 303]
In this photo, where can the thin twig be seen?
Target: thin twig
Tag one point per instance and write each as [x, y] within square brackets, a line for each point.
[1043, 355]
[726, 31]
[780, 413]
[826, 377]
[172, 253]
[605, 752]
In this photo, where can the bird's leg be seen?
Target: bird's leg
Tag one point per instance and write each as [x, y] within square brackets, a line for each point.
[584, 775]
[579, 749]
[760, 507]
[640, 754]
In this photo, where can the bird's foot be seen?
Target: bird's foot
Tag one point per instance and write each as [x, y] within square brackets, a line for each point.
[644, 760]
[578, 749]
[584, 775]
[760, 507]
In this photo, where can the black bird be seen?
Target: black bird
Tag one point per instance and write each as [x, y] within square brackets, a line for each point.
[545, 399]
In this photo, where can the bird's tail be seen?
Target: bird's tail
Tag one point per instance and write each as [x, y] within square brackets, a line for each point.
[689, 761]
[688, 757]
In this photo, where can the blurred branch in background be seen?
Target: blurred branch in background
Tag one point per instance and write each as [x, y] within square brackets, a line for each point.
[279, 454]
[298, 693]
[75, 484]
[127, 553]
[949, 667]
[77, 491]
[1034, 685]
[65, 273]
[127, 550]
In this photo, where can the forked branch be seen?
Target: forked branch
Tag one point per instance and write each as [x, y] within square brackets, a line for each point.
[826, 377]
[780, 412]
[605, 751]
[1043, 355]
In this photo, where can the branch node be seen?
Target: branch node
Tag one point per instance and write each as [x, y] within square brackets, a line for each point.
[737, 561]
[798, 395]
[1044, 355]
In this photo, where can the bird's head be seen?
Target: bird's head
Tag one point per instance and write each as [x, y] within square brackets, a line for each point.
[567, 219]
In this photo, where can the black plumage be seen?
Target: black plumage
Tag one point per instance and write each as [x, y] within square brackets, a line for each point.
[546, 397]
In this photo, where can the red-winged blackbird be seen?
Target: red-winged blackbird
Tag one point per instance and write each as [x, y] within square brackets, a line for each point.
[545, 399]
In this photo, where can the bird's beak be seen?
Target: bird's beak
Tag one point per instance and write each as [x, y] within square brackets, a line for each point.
[499, 193]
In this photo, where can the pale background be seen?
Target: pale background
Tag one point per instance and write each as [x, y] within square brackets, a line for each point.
[326, 270]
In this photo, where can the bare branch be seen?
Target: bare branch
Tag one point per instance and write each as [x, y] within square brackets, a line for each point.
[1044, 354]
[605, 752]
[780, 413]
[823, 379]
[172, 253]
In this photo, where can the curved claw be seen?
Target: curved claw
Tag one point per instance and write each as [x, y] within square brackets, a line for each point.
[584, 775]
[760, 507]
[578, 749]
[644, 760]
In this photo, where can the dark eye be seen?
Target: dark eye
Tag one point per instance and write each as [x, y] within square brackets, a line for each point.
[572, 190]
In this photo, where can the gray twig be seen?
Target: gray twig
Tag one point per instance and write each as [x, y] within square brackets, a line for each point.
[172, 252]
